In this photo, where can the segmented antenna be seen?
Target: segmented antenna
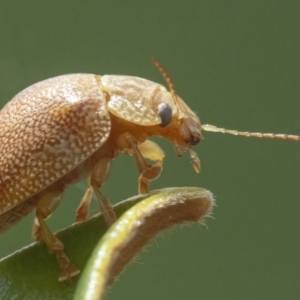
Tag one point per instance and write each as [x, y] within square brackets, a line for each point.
[289, 137]
[166, 77]
[212, 128]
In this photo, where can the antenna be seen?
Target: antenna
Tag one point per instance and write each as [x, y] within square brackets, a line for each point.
[213, 128]
[289, 137]
[166, 77]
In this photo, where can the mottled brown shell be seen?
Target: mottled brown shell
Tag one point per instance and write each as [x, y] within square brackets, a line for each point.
[47, 130]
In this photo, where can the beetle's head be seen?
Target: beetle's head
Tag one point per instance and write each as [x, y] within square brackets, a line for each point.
[179, 123]
[183, 125]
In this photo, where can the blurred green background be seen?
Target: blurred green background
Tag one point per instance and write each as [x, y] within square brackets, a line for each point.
[236, 63]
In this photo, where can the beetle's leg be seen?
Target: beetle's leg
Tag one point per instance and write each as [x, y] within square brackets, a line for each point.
[82, 211]
[126, 142]
[149, 150]
[46, 205]
[98, 176]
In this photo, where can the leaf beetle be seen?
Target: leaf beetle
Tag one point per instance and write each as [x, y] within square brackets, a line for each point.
[64, 129]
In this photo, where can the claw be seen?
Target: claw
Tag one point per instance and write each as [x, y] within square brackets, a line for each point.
[68, 270]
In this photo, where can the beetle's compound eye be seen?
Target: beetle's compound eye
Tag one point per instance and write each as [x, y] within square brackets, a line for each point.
[165, 113]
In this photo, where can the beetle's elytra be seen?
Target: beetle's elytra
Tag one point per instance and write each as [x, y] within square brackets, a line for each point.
[64, 129]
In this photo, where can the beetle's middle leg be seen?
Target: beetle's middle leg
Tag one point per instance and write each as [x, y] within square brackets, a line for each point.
[46, 205]
[82, 211]
[99, 174]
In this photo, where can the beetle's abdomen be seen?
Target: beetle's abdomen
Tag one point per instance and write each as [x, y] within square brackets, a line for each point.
[47, 130]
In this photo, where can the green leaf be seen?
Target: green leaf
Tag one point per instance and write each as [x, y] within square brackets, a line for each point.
[32, 273]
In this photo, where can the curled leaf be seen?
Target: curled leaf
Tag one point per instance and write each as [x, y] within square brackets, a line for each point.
[160, 210]
[31, 273]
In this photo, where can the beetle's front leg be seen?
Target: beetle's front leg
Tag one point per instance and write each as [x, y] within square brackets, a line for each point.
[141, 152]
[150, 150]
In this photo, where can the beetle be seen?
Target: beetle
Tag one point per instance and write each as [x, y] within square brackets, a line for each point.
[68, 128]
[64, 129]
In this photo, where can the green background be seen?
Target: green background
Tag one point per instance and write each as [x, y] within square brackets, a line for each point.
[236, 63]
